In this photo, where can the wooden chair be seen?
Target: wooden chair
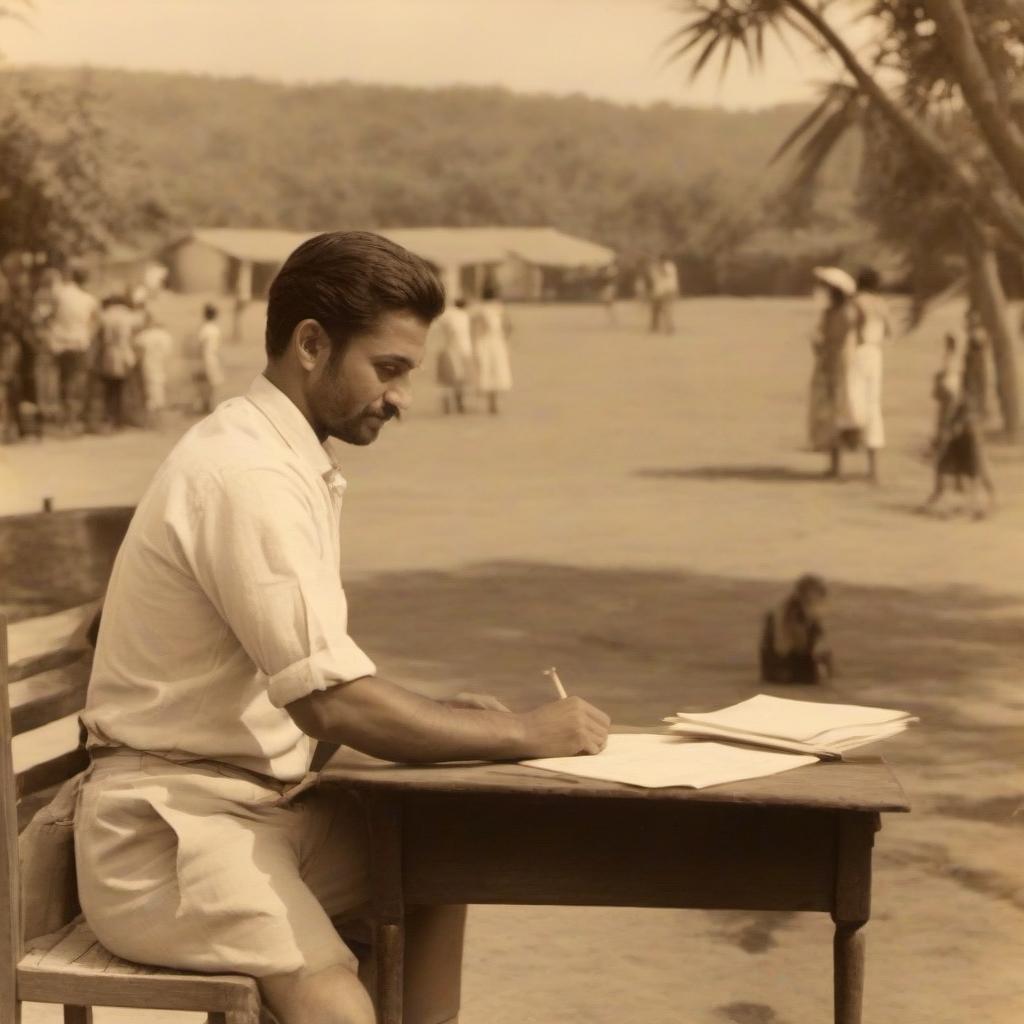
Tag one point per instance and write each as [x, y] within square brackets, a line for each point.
[45, 681]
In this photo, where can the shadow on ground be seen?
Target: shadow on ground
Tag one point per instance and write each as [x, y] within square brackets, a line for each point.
[758, 474]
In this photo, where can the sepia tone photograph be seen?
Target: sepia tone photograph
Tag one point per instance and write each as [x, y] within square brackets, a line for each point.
[511, 511]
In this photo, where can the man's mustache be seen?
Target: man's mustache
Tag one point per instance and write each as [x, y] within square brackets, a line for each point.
[390, 412]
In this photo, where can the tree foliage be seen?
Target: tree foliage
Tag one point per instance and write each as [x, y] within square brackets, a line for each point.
[922, 62]
[66, 187]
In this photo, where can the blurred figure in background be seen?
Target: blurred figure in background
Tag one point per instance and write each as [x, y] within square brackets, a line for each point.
[663, 290]
[208, 373]
[610, 291]
[491, 328]
[947, 387]
[959, 445]
[960, 454]
[455, 359]
[47, 378]
[73, 330]
[10, 363]
[975, 381]
[153, 346]
[830, 421]
[873, 328]
[118, 323]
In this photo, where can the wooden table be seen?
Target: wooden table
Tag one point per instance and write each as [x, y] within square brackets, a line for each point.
[503, 833]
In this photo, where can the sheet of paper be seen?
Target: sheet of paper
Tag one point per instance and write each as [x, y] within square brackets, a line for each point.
[714, 732]
[803, 720]
[655, 761]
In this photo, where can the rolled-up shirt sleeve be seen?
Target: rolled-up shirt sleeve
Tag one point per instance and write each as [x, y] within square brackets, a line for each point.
[254, 548]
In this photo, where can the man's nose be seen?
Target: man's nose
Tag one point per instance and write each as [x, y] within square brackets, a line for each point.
[399, 394]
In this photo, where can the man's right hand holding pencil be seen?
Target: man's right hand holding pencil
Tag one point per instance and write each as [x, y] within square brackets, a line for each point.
[565, 727]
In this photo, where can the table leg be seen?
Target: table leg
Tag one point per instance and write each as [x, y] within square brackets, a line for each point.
[851, 911]
[384, 817]
[848, 966]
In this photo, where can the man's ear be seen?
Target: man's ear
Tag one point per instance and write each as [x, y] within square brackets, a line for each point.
[310, 340]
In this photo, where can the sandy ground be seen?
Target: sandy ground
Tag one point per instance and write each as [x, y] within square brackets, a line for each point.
[629, 517]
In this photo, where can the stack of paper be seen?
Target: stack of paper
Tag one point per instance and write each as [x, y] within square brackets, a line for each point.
[654, 761]
[825, 730]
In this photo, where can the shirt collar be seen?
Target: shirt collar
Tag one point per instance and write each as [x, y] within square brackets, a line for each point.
[294, 428]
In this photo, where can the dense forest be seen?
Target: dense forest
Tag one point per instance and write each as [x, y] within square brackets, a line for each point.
[243, 152]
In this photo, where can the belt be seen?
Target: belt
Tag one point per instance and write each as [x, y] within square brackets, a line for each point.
[287, 791]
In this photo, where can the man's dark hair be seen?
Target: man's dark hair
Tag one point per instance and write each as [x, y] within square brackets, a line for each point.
[346, 281]
[210, 311]
[80, 276]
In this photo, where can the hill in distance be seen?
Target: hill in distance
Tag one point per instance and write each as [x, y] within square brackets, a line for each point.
[246, 152]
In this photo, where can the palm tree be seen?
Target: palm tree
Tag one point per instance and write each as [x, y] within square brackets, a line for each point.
[934, 82]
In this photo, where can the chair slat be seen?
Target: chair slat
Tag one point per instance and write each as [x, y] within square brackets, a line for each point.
[49, 773]
[48, 642]
[47, 697]
[49, 661]
[95, 958]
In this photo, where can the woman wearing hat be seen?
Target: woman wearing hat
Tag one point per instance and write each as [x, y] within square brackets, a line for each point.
[830, 421]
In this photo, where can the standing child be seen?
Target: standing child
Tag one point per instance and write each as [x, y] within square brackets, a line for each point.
[154, 344]
[960, 453]
[490, 346]
[208, 374]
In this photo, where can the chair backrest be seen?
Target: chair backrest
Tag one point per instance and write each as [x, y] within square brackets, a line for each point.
[44, 674]
[53, 560]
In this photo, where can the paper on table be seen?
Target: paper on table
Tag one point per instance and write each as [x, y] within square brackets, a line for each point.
[655, 761]
[805, 721]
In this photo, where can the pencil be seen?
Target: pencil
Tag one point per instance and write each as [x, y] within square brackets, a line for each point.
[553, 673]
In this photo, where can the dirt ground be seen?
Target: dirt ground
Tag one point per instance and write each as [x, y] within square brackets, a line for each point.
[629, 517]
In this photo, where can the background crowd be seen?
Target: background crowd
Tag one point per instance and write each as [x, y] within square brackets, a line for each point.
[71, 361]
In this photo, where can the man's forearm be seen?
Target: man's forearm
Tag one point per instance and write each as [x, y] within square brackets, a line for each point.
[387, 721]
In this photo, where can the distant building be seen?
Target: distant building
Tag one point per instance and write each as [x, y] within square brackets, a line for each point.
[526, 263]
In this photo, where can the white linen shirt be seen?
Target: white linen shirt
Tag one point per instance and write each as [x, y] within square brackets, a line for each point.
[225, 602]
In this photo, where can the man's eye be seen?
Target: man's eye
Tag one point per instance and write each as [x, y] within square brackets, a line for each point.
[387, 371]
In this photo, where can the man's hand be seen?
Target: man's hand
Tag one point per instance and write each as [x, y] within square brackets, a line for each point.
[474, 702]
[564, 728]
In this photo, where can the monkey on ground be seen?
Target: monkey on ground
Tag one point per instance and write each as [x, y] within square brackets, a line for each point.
[794, 647]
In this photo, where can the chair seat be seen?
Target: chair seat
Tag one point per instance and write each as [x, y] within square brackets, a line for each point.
[71, 966]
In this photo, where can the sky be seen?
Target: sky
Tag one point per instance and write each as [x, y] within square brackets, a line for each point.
[611, 49]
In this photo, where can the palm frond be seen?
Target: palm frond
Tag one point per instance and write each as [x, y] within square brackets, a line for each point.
[806, 125]
[705, 55]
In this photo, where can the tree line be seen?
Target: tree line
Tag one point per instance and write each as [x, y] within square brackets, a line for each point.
[144, 154]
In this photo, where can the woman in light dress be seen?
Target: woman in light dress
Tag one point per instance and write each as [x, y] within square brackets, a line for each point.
[873, 330]
[455, 358]
[846, 391]
[829, 417]
[490, 347]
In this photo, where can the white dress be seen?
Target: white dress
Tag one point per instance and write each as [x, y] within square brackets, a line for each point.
[455, 360]
[490, 348]
[864, 379]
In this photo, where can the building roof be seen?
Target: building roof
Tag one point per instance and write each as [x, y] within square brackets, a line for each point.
[546, 247]
[259, 245]
[444, 247]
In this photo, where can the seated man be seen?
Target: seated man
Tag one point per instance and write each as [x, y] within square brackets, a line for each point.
[223, 655]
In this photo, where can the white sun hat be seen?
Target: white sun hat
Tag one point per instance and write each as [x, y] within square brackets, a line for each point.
[836, 278]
